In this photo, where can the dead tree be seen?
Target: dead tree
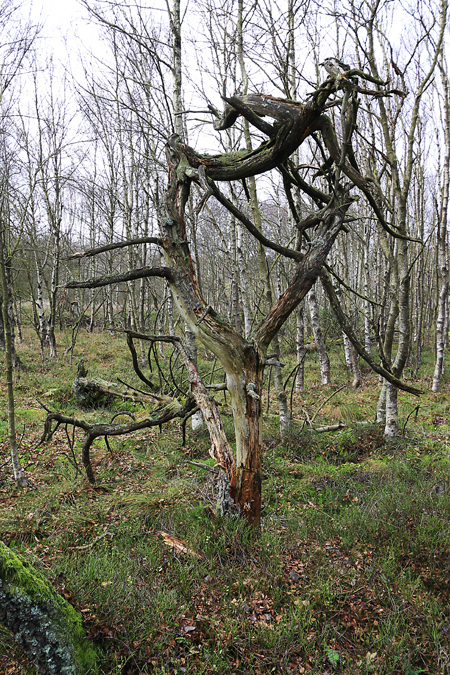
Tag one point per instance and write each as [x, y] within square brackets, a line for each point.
[244, 358]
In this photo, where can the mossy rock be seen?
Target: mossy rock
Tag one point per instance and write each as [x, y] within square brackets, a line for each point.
[48, 629]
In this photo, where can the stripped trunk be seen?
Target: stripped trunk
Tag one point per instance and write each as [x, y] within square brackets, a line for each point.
[243, 361]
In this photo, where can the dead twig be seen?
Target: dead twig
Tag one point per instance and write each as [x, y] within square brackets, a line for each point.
[206, 467]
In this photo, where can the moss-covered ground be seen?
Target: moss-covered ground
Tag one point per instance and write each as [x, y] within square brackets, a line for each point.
[349, 574]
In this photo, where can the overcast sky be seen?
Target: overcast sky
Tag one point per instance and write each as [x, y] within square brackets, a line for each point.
[65, 28]
[60, 18]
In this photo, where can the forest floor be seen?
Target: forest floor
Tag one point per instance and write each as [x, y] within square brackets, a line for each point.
[349, 574]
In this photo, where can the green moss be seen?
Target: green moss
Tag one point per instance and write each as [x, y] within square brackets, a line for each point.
[27, 595]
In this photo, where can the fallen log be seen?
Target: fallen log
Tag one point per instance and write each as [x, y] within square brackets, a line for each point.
[90, 390]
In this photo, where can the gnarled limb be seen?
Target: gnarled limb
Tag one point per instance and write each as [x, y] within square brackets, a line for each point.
[295, 122]
[162, 415]
[365, 185]
[237, 213]
[220, 449]
[141, 273]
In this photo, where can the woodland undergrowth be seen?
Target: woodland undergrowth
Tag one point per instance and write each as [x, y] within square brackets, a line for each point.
[349, 574]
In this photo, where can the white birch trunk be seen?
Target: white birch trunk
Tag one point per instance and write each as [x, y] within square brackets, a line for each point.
[9, 355]
[356, 368]
[381, 407]
[324, 361]
[347, 352]
[367, 290]
[43, 333]
[300, 345]
[191, 348]
[391, 425]
[53, 298]
[442, 241]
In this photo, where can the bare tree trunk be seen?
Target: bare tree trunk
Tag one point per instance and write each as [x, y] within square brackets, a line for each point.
[442, 239]
[356, 368]
[300, 344]
[243, 282]
[43, 332]
[347, 352]
[53, 297]
[8, 321]
[17, 317]
[234, 282]
[381, 406]
[324, 361]
[9, 357]
[367, 292]
[391, 427]
[191, 348]
[387, 348]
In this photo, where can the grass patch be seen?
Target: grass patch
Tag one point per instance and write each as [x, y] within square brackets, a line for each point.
[350, 572]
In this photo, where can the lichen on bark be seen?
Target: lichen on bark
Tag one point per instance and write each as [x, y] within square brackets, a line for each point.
[48, 629]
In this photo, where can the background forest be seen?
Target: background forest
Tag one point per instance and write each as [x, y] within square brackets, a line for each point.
[347, 569]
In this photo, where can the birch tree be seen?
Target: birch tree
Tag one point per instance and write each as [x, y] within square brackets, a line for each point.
[16, 45]
[442, 233]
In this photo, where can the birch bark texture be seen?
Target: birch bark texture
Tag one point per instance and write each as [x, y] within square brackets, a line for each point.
[442, 234]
